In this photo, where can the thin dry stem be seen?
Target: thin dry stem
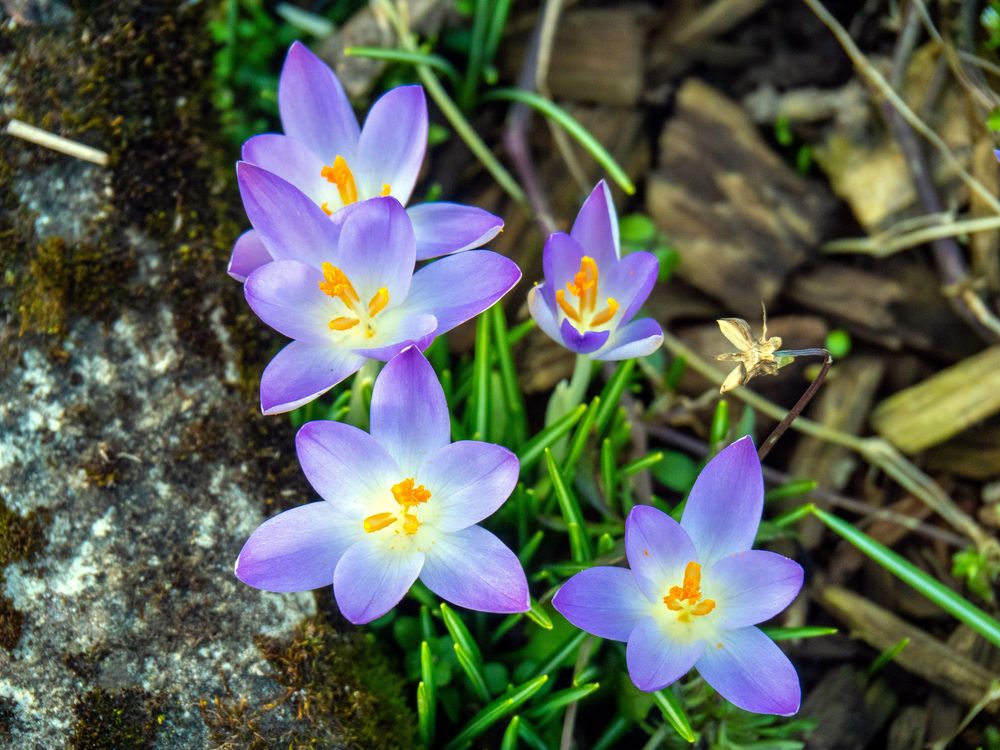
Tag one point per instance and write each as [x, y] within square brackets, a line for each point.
[30, 133]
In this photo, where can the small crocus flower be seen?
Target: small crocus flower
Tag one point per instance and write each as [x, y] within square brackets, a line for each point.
[337, 164]
[755, 356]
[347, 292]
[695, 590]
[590, 293]
[399, 503]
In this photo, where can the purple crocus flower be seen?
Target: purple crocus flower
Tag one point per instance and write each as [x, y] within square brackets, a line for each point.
[590, 293]
[337, 164]
[399, 503]
[695, 590]
[346, 292]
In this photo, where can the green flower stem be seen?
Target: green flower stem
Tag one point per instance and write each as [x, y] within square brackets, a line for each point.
[357, 411]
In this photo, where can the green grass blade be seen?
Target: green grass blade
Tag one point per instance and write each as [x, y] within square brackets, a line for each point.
[508, 374]
[778, 633]
[641, 464]
[481, 380]
[534, 449]
[460, 633]
[539, 616]
[560, 700]
[568, 123]
[425, 715]
[477, 53]
[404, 56]
[673, 711]
[427, 670]
[609, 472]
[793, 516]
[522, 329]
[790, 490]
[528, 550]
[474, 672]
[612, 393]
[887, 656]
[569, 646]
[498, 21]
[501, 707]
[531, 737]
[719, 431]
[579, 440]
[937, 592]
[614, 732]
[509, 741]
[578, 542]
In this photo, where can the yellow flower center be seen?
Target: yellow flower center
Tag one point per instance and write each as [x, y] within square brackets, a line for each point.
[584, 288]
[336, 284]
[686, 599]
[408, 495]
[340, 174]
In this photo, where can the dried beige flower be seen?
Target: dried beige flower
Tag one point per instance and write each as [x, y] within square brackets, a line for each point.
[755, 356]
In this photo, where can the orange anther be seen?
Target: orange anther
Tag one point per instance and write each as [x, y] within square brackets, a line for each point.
[386, 190]
[336, 284]
[343, 324]
[566, 308]
[378, 302]
[606, 314]
[341, 175]
[407, 495]
[379, 521]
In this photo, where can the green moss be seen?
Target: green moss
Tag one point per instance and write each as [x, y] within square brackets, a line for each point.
[21, 538]
[343, 692]
[116, 720]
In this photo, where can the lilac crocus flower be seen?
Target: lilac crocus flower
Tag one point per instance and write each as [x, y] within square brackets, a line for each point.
[591, 294]
[695, 590]
[337, 164]
[346, 292]
[399, 503]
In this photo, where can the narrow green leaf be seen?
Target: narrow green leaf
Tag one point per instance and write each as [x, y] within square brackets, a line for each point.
[531, 736]
[505, 626]
[673, 711]
[403, 56]
[612, 393]
[502, 706]
[427, 670]
[605, 544]
[886, 657]
[778, 633]
[539, 616]
[509, 741]
[937, 592]
[481, 380]
[561, 699]
[579, 440]
[473, 670]
[425, 714]
[719, 430]
[508, 373]
[793, 516]
[498, 21]
[477, 44]
[614, 732]
[427, 630]
[641, 464]
[579, 544]
[460, 633]
[609, 473]
[534, 449]
[569, 646]
[521, 330]
[528, 550]
[790, 489]
[567, 122]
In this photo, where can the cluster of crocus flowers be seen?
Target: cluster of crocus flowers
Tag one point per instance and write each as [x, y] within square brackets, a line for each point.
[591, 294]
[337, 164]
[346, 291]
[399, 503]
[695, 590]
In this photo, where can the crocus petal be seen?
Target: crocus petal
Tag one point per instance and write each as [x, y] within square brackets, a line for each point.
[393, 142]
[249, 254]
[582, 343]
[371, 579]
[290, 224]
[658, 550]
[752, 586]
[302, 371]
[751, 672]
[296, 550]
[639, 338]
[541, 310]
[345, 465]
[630, 282]
[596, 226]
[475, 570]
[654, 660]
[445, 228]
[724, 507]
[285, 294]
[314, 108]
[377, 249]
[399, 329]
[470, 480]
[561, 258]
[604, 601]
[409, 415]
[459, 287]
[288, 158]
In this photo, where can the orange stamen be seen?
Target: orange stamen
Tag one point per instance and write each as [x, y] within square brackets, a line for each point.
[341, 175]
[566, 308]
[379, 521]
[336, 284]
[343, 324]
[407, 495]
[689, 592]
[410, 523]
[386, 190]
[378, 302]
[326, 209]
[606, 314]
